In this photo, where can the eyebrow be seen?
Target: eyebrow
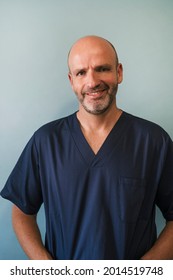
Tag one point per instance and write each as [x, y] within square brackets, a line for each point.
[105, 65]
[97, 67]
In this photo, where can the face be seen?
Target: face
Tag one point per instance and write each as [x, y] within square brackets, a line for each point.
[94, 74]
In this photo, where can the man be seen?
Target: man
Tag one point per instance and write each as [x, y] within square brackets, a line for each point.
[100, 172]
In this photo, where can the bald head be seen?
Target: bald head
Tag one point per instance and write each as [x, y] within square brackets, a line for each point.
[91, 43]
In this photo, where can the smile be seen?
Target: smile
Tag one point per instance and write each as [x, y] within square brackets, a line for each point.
[98, 93]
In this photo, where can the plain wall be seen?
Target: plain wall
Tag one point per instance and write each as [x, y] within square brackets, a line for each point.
[35, 37]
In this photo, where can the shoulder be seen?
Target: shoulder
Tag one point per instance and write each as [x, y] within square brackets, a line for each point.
[143, 124]
[146, 129]
[53, 128]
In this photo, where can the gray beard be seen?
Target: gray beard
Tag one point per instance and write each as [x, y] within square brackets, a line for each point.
[100, 108]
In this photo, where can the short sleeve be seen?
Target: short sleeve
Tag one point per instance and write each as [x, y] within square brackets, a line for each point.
[164, 198]
[23, 185]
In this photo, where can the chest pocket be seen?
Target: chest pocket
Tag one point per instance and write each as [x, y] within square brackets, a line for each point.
[131, 197]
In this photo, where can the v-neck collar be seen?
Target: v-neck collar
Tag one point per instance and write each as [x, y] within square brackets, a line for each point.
[83, 146]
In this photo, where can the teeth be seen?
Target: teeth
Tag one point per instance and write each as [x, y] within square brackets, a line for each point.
[95, 93]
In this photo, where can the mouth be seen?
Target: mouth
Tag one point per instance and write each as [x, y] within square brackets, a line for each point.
[95, 94]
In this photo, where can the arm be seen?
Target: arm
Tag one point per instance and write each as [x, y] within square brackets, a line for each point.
[163, 248]
[28, 234]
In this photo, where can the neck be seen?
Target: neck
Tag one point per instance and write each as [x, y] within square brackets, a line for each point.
[105, 121]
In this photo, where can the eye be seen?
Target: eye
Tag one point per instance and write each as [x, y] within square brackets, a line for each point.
[103, 69]
[81, 73]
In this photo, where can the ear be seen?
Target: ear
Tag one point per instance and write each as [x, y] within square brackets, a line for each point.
[70, 78]
[119, 73]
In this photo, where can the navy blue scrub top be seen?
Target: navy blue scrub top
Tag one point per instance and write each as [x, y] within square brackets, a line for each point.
[97, 206]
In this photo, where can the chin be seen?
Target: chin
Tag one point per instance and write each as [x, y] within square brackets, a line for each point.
[99, 108]
[96, 111]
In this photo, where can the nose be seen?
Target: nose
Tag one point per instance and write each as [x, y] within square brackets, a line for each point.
[92, 80]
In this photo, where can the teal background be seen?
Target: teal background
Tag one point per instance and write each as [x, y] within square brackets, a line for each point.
[35, 37]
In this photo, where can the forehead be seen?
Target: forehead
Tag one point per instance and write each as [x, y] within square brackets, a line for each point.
[94, 52]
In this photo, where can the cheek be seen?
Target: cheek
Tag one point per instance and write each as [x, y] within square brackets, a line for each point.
[110, 79]
[111, 82]
[77, 86]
